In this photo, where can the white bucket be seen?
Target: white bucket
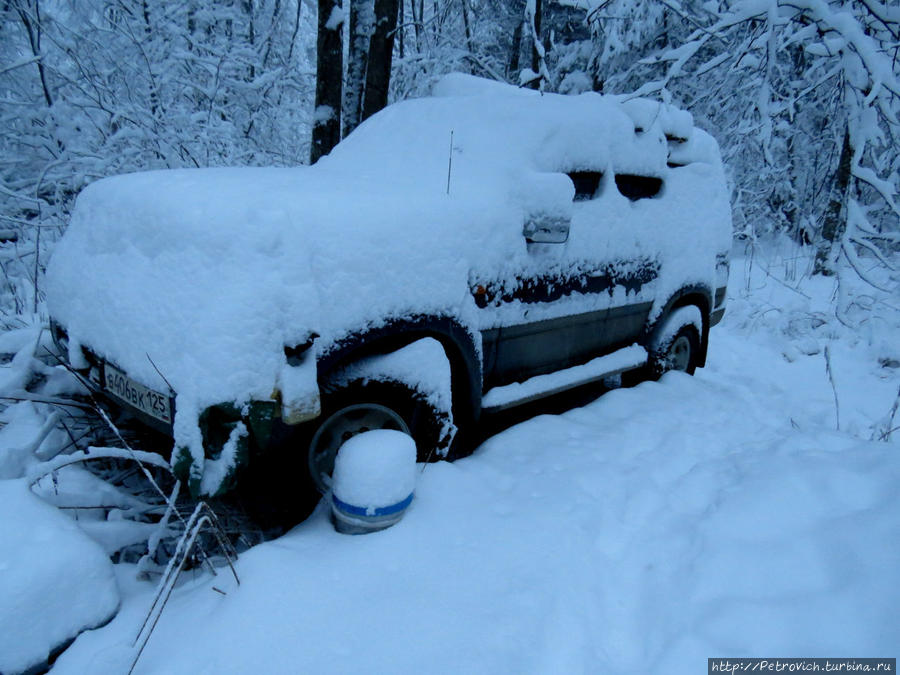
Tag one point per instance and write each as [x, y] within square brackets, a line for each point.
[374, 481]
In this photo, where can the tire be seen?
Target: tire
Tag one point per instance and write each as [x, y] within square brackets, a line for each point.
[363, 407]
[679, 351]
[286, 483]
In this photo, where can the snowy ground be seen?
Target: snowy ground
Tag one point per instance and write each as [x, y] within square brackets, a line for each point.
[719, 515]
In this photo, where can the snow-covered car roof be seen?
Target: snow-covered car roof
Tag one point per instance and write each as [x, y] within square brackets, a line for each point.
[499, 128]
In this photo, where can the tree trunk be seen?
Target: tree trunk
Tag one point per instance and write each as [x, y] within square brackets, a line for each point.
[533, 12]
[326, 132]
[834, 222]
[435, 23]
[247, 7]
[417, 21]
[290, 54]
[467, 28]
[381, 51]
[361, 23]
[535, 54]
[516, 49]
[402, 28]
[155, 98]
[34, 40]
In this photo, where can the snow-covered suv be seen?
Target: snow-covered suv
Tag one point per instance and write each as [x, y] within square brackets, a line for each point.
[470, 251]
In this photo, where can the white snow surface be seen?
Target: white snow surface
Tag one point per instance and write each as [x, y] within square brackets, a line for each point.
[54, 581]
[375, 469]
[716, 515]
[199, 278]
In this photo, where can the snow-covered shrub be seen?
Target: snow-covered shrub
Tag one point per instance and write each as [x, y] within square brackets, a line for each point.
[55, 581]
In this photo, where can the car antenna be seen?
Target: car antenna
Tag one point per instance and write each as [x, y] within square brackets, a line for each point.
[171, 389]
[450, 161]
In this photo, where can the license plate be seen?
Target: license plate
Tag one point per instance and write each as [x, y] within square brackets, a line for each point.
[148, 401]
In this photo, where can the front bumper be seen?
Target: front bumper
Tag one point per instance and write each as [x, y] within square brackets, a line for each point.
[102, 378]
[255, 422]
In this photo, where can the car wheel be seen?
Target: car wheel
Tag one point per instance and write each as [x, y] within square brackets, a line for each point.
[339, 427]
[283, 485]
[680, 351]
[365, 406]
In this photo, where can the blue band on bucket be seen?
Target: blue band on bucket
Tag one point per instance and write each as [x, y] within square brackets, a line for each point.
[364, 512]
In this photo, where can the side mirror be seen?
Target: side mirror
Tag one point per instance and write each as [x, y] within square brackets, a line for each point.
[546, 229]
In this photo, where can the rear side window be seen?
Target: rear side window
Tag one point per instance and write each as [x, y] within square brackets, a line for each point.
[587, 184]
[638, 187]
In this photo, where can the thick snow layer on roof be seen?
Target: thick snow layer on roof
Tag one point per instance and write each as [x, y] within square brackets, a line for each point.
[499, 127]
[54, 581]
[699, 147]
[646, 114]
[198, 278]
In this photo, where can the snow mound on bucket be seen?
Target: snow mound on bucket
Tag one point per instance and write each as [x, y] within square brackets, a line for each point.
[375, 469]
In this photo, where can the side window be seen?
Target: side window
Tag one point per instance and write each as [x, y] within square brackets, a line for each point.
[632, 186]
[587, 183]
[638, 187]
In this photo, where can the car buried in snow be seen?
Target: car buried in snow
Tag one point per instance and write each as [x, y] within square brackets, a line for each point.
[457, 254]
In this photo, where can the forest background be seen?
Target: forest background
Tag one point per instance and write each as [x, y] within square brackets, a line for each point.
[802, 95]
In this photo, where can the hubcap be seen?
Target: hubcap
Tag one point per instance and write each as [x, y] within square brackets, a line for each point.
[679, 354]
[339, 428]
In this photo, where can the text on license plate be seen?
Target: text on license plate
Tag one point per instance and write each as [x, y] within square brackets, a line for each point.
[133, 393]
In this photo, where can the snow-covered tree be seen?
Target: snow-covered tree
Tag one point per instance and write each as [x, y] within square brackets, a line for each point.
[803, 95]
[94, 88]
[326, 128]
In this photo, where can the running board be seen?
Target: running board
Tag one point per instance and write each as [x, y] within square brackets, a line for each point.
[517, 393]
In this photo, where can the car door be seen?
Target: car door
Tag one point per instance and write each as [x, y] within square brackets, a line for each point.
[580, 299]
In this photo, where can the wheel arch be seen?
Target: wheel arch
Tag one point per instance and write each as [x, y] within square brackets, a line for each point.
[458, 343]
[695, 294]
